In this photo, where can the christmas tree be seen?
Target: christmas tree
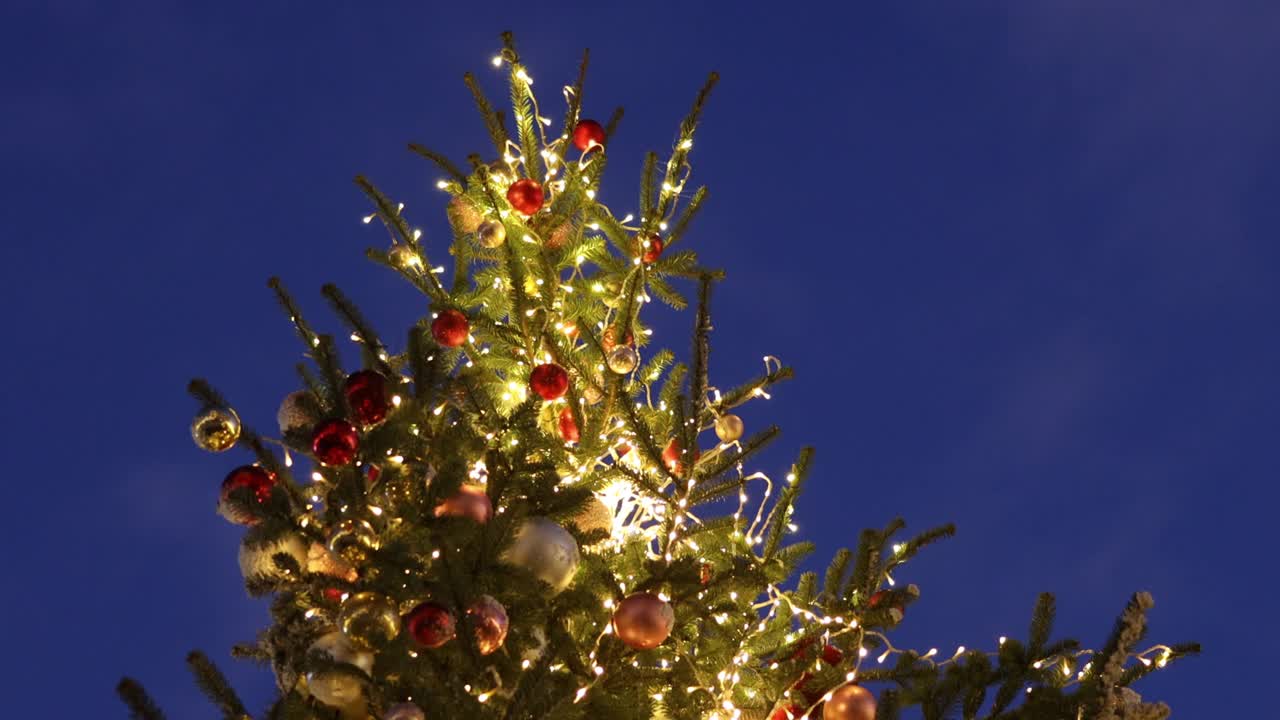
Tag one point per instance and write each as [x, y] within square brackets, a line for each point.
[528, 511]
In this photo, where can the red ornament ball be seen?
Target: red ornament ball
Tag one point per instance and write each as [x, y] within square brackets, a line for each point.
[568, 428]
[525, 196]
[643, 621]
[787, 712]
[471, 501]
[850, 702]
[671, 456]
[588, 134]
[549, 380]
[259, 481]
[430, 625]
[651, 252]
[333, 595]
[450, 328]
[879, 598]
[366, 393]
[335, 442]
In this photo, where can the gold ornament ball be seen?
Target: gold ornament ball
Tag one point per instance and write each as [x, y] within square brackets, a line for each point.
[352, 540]
[643, 621]
[334, 688]
[258, 560]
[404, 257]
[850, 702]
[594, 516]
[216, 429]
[729, 428]
[490, 621]
[623, 359]
[491, 233]
[369, 620]
[546, 550]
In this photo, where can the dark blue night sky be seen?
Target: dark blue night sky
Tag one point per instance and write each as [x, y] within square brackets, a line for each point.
[1022, 255]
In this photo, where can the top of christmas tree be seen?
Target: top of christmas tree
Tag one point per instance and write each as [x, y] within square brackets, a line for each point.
[524, 510]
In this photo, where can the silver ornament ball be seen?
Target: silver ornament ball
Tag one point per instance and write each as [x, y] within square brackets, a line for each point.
[404, 711]
[546, 550]
[491, 233]
[297, 411]
[623, 359]
[339, 689]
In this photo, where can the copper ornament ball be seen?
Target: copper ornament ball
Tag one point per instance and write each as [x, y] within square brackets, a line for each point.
[489, 619]
[643, 621]
[471, 501]
[850, 702]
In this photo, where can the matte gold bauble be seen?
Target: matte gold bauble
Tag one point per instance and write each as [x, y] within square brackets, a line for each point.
[729, 428]
[850, 702]
[404, 257]
[216, 429]
[643, 621]
[369, 620]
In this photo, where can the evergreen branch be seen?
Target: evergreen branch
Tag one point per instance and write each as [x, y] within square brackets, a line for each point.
[355, 320]
[1041, 624]
[779, 515]
[522, 107]
[391, 217]
[701, 350]
[492, 119]
[425, 366]
[214, 684]
[441, 161]
[646, 184]
[690, 212]
[611, 126]
[574, 110]
[293, 311]
[141, 706]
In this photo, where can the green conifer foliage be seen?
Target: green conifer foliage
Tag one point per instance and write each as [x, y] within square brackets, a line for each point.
[470, 479]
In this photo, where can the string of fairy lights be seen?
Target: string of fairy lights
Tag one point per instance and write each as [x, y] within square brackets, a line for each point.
[659, 522]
